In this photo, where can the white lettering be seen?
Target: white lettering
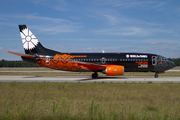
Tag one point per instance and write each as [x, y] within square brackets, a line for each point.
[143, 66]
[138, 56]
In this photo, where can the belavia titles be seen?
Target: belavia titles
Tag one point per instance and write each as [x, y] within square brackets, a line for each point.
[111, 64]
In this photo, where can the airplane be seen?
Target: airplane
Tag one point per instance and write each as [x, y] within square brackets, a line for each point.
[111, 64]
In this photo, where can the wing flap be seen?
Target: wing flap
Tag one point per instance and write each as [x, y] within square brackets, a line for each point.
[22, 55]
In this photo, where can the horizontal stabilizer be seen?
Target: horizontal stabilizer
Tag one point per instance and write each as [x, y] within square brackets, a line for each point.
[22, 55]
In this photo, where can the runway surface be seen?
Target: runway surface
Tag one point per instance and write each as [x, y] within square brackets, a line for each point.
[121, 79]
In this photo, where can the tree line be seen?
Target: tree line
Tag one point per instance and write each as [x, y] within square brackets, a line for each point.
[176, 61]
[20, 63]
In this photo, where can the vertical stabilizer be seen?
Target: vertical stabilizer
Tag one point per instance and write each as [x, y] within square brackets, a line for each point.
[29, 41]
[31, 44]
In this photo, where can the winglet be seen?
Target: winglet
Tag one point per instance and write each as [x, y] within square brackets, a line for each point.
[22, 55]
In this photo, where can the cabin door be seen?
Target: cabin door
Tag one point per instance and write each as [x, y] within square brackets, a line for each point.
[154, 60]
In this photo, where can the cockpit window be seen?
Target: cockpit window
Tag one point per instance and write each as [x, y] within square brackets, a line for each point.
[164, 59]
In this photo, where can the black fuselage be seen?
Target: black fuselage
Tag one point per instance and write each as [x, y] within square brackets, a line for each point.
[132, 62]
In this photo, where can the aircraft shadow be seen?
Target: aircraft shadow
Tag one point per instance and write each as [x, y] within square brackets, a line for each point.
[85, 79]
[33, 76]
[100, 78]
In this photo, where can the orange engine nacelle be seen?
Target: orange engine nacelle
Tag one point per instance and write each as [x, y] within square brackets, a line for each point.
[114, 70]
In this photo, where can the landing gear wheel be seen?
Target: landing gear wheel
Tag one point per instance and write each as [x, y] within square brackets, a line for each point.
[156, 75]
[94, 75]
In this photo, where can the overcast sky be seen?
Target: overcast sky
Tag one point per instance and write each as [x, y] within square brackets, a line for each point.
[146, 26]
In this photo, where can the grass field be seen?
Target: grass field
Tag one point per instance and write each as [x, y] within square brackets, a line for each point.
[104, 101]
[93, 101]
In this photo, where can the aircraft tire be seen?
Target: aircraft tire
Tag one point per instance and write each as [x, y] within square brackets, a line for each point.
[94, 75]
[156, 75]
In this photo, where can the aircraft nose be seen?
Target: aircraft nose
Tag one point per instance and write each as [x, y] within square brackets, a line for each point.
[172, 64]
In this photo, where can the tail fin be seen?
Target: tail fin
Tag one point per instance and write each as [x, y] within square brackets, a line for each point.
[31, 44]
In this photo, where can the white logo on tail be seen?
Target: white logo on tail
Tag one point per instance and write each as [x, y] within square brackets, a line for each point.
[28, 39]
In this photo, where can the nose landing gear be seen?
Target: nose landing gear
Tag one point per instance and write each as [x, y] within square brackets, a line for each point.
[156, 75]
[94, 75]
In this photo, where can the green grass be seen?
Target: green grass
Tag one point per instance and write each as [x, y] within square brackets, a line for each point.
[106, 101]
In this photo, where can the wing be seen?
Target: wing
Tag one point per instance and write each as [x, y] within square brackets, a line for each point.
[22, 55]
[91, 66]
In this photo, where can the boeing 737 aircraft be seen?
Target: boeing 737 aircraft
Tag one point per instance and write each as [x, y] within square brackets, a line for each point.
[111, 64]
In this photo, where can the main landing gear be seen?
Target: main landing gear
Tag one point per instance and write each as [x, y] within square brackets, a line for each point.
[156, 75]
[94, 75]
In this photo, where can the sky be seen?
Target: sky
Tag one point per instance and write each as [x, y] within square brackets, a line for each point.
[143, 26]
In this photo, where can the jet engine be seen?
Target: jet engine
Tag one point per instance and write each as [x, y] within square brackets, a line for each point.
[114, 70]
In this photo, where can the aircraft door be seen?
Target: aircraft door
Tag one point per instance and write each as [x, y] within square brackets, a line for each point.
[47, 60]
[103, 60]
[154, 60]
